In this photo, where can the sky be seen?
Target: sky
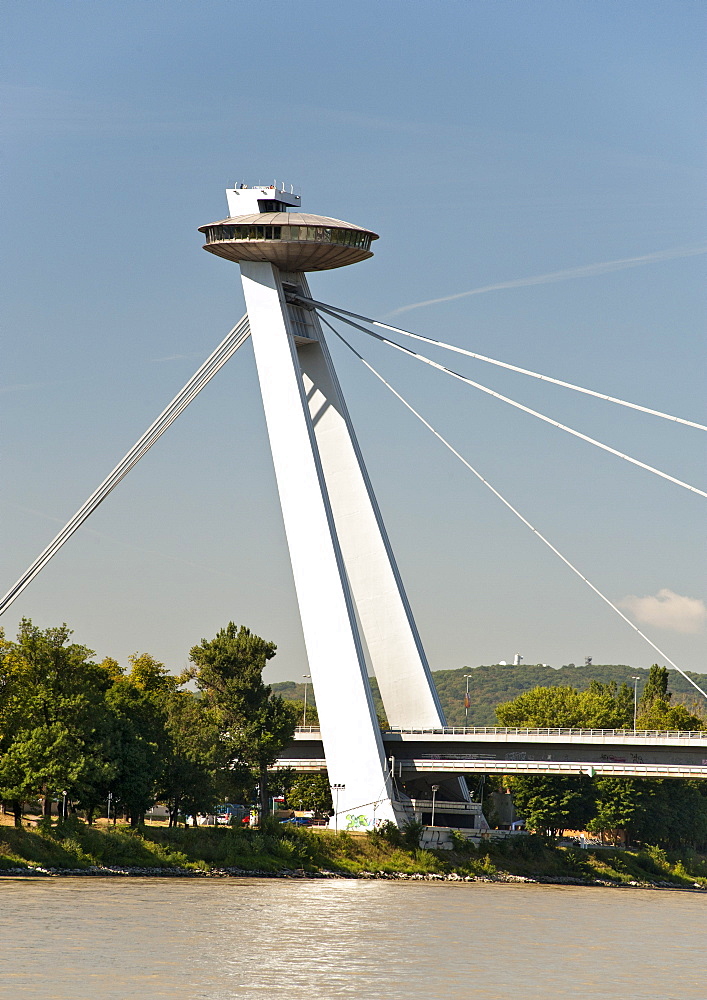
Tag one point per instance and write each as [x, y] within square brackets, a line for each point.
[545, 158]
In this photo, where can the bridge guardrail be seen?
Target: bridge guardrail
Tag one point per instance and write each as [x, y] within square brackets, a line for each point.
[456, 765]
[521, 731]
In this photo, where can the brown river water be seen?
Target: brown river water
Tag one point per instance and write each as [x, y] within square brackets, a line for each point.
[74, 939]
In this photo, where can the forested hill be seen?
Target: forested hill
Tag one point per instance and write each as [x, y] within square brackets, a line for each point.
[491, 685]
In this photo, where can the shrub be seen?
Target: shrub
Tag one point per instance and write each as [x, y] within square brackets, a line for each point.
[461, 844]
[411, 834]
[387, 832]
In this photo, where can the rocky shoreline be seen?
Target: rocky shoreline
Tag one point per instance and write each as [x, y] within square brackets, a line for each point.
[116, 871]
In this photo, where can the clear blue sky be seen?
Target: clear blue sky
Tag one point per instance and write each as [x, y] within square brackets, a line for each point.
[486, 142]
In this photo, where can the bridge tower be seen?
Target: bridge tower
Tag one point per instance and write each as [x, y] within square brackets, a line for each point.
[349, 590]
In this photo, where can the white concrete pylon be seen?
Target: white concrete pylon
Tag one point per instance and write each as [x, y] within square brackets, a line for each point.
[349, 590]
[394, 646]
[352, 743]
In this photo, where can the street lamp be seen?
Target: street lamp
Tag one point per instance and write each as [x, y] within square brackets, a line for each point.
[110, 799]
[307, 677]
[337, 788]
[466, 700]
[635, 701]
[63, 808]
[435, 789]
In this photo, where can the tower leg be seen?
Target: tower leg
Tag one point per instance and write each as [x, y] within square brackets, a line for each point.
[350, 734]
[391, 635]
[394, 645]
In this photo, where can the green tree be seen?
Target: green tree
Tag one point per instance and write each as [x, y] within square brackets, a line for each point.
[656, 686]
[558, 707]
[53, 718]
[655, 708]
[297, 709]
[551, 805]
[311, 792]
[659, 715]
[673, 814]
[254, 724]
[140, 741]
[7, 698]
[600, 706]
[608, 705]
[148, 674]
[667, 812]
[620, 806]
[687, 814]
[195, 772]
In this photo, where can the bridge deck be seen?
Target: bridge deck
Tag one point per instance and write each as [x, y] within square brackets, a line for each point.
[436, 752]
[508, 734]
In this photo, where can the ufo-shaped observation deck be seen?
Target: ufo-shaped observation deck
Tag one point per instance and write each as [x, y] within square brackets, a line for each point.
[293, 241]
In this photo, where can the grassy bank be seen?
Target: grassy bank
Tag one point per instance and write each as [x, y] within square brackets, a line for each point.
[76, 847]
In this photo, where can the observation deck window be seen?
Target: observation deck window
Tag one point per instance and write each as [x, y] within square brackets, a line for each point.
[271, 205]
[310, 234]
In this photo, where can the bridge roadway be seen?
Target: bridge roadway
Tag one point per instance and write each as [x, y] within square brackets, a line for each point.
[436, 753]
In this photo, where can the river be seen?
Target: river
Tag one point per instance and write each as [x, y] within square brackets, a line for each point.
[115, 939]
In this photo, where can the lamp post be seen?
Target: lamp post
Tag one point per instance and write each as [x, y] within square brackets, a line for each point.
[337, 788]
[307, 678]
[110, 799]
[466, 700]
[63, 808]
[635, 701]
[435, 789]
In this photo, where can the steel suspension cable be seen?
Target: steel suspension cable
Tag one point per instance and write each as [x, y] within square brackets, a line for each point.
[513, 510]
[340, 313]
[517, 405]
[213, 364]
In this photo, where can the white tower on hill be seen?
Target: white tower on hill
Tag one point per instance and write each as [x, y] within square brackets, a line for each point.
[349, 590]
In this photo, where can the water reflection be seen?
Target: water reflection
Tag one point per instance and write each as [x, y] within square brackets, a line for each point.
[260, 938]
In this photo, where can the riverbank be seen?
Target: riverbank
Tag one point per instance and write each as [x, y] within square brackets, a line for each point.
[74, 849]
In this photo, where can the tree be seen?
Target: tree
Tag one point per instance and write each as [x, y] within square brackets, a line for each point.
[551, 805]
[140, 742]
[620, 804]
[600, 706]
[254, 724]
[608, 705]
[656, 687]
[659, 715]
[148, 674]
[195, 756]
[655, 709]
[53, 719]
[311, 792]
[687, 825]
[669, 812]
[297, 708]
[664, 811]
[7, 698]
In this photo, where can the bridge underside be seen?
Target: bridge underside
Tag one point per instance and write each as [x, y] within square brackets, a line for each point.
[426, 772]
[417, 761]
